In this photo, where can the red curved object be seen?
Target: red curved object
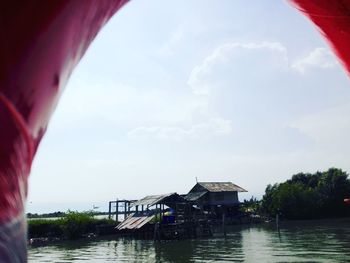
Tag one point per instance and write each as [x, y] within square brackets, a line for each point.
[332, 18]
[42, 41]
[347, 201]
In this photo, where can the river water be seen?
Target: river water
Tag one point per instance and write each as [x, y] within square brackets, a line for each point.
[307, 241]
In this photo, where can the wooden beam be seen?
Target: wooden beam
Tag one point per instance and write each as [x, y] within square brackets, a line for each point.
[124, 210]
[109, 209]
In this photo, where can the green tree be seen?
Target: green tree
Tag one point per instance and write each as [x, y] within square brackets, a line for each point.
[307, 196]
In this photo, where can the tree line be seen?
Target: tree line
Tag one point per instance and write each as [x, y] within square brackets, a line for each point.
[308, 196]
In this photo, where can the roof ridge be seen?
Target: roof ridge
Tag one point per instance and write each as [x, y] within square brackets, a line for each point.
[215, 182]
[221, 186]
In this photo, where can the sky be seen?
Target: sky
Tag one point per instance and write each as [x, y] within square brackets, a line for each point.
[171, 91]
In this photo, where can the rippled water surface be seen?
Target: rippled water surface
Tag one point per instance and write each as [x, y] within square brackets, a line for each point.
[310, 241]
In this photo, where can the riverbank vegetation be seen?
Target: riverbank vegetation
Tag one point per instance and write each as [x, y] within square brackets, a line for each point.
[60, 214]
[308, 196]
[72, 225]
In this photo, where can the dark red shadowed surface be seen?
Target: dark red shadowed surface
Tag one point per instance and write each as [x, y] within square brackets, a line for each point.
[41, 43]
[332, 17]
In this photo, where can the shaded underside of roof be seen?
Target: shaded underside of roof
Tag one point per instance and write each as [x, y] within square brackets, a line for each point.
[221, 187]
[151, 200]
[194, 196]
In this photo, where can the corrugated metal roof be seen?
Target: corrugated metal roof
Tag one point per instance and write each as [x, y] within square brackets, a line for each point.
[221, 187]
[152, 199]
[135, 222]
[194, 196]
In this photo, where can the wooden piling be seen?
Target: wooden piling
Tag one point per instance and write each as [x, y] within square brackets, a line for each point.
[156, 234]
[277, 222]
[116, 210]
[224, 223]
[125, 211]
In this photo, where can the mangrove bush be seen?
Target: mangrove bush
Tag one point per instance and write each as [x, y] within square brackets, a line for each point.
[309, 196]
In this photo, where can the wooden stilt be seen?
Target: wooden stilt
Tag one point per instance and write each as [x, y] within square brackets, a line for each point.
[224, 223]
[109, 210]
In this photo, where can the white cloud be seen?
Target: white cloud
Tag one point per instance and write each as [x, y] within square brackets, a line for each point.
[198, 77]
[213, 127]
[319, 58]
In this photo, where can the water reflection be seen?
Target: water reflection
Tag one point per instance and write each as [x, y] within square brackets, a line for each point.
[307, 241]
[296, 242]
[204, 250]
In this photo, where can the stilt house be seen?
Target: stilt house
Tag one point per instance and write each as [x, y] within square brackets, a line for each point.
[216, 198]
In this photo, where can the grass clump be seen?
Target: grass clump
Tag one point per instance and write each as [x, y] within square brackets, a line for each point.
[76, 224]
